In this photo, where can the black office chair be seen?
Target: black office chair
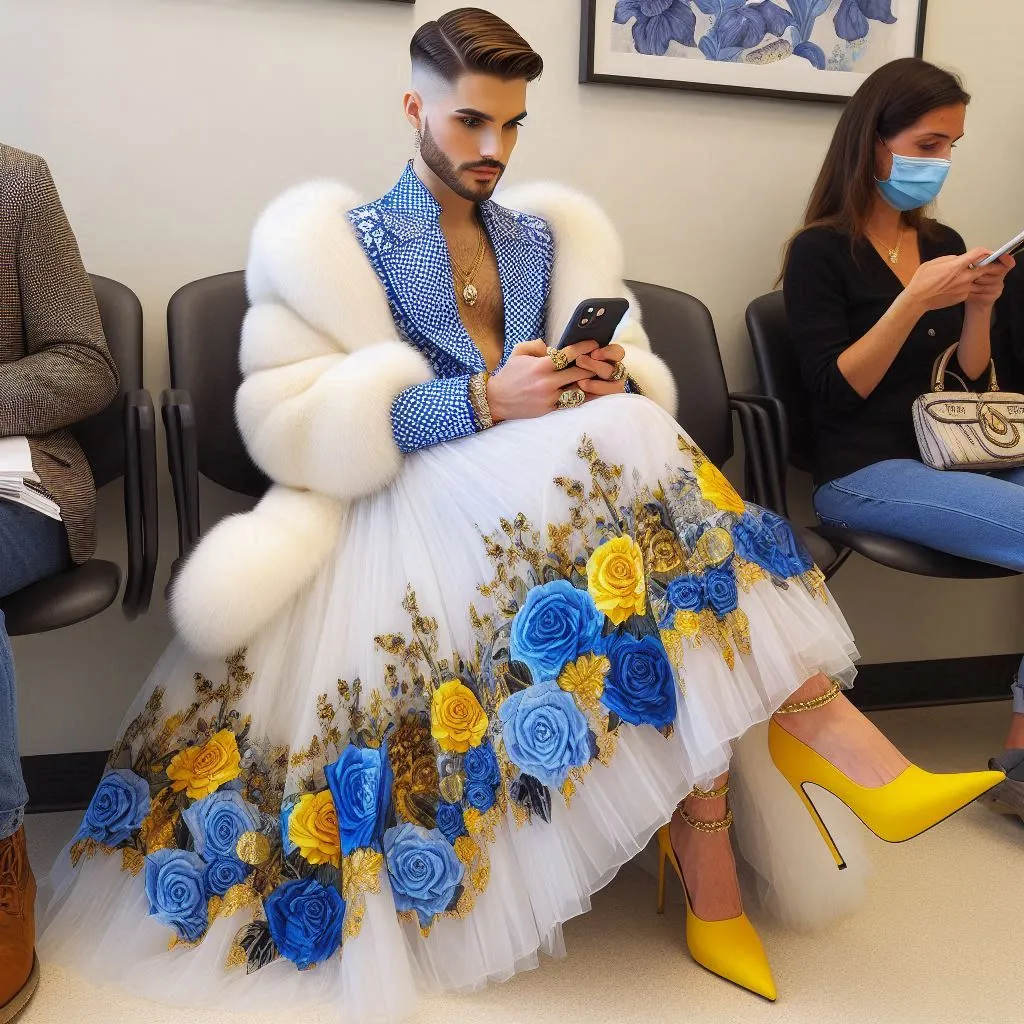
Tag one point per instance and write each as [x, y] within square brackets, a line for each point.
[118, 442]
[780, 379]
[204, 320]
[204, 323]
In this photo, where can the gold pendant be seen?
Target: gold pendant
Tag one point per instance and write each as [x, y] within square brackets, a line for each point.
[469, 293]
[894, 256]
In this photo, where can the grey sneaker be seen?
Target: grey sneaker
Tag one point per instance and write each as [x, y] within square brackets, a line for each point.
[1008, 796]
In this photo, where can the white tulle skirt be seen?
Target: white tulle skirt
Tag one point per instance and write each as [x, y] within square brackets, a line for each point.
[524, 654]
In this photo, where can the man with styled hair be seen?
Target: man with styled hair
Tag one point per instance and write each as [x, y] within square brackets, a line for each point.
[497, 621]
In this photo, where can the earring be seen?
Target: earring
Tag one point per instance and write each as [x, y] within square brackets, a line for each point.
[417, 139]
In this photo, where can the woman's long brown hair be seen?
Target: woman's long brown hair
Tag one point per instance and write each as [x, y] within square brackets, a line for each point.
[891, 99]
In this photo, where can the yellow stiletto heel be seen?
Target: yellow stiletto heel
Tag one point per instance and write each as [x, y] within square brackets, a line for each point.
[912, 803]
[731, 949]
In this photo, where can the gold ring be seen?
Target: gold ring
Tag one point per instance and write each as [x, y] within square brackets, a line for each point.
[620, 372]
[559, 358]
[571, 398]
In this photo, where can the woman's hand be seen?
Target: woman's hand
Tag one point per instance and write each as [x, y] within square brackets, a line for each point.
[988, 286]
[601, 363]
[528, 385]
[946, 281]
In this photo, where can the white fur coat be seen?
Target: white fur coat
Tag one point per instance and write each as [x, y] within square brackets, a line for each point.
[321, 364]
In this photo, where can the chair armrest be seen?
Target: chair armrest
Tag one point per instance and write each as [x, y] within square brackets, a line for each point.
[775, 442]
[183, 465]
[141, 502]
[755, 481]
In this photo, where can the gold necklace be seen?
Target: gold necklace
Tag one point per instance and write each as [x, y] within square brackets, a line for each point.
[469, 290]
[894, 253]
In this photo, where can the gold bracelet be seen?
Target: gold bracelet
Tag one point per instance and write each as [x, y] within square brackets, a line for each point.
[810, 705]
[709, 794]
[478, 400]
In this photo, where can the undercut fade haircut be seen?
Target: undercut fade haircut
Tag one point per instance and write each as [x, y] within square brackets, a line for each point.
[473, 41]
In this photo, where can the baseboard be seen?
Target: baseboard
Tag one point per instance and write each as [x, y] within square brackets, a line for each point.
[65, 782]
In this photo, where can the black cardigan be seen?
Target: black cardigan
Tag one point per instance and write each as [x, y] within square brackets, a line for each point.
[835, 294]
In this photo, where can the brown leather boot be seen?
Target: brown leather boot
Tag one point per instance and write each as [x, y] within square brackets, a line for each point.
[19, 969]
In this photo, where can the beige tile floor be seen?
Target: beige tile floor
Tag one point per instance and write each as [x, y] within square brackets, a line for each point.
[940, 941]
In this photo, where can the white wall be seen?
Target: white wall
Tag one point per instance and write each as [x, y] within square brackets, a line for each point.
[169, 123]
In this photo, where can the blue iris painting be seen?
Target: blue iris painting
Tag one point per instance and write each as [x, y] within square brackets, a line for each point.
[756, 31]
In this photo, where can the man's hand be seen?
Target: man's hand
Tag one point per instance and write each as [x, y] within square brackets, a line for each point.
[528, 385]
[601, 364]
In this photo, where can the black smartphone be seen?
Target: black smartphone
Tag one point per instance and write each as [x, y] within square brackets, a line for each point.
[594, 320]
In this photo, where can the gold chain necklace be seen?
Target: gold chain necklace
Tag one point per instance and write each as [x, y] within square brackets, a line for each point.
[894, 253]
[469, 290]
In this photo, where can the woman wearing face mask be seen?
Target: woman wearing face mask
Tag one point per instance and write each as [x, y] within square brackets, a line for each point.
[876, 290]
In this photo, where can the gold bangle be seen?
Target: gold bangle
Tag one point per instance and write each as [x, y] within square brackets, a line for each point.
[707, 826]
[709, 794]
[811, 705]
[478, 400]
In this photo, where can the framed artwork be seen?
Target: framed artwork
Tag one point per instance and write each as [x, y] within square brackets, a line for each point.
[798, 49]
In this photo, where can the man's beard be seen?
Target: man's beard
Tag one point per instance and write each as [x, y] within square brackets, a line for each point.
[437, 160]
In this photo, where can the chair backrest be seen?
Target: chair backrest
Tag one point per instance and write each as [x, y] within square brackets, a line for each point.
[102, 436]
[682, 332]
[204, 321]
[780, 374]
[204, 324]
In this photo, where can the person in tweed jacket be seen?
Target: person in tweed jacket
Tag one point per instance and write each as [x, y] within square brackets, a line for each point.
[55, 370]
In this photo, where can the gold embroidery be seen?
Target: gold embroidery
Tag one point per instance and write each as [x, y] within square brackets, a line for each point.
[253, 848]
[132, 861]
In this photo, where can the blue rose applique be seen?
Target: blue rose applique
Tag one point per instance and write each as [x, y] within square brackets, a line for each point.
[118, 808]
[792, 558]
[451, 821]
[224, 874]
[481, 764]
[641, 687]
[687, 594]
[305, 920]
[556, 624]
[546, 735]
[425, 874]
[176, 889]
[723, 595]
[360, 783]
[657, 23]
[218, 821]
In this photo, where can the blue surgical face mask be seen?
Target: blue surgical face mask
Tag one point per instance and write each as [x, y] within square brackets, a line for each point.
[914, 181]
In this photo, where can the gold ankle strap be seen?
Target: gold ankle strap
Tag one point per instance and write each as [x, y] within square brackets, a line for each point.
[810, 705]
[707, 826]
[709, 794]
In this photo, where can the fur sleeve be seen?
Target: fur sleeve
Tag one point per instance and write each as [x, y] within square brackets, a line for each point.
[321, 419]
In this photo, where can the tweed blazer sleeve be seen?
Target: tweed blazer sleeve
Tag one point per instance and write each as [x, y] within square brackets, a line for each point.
[67, 373]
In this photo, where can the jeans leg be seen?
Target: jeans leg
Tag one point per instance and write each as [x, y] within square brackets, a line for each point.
[13, 795]
[32, 547]
[968, 514]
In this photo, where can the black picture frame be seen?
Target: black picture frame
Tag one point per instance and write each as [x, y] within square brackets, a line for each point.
[588, 74]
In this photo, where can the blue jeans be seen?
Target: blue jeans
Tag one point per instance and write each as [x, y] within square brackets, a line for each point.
[969, 514]
[32, 547]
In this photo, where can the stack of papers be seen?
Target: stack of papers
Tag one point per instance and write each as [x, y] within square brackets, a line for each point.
[16, 473]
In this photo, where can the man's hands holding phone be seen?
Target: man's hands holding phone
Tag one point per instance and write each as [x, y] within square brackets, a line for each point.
[528, 385]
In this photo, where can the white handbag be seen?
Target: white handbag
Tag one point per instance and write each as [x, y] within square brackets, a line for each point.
[965, 430]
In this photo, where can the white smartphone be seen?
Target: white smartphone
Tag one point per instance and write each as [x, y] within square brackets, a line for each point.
[1011, 247]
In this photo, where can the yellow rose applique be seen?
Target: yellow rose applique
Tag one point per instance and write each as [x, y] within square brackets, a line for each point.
[457, 721]
[615, 579]
[201, 771]
[313, 828]
[716, 489]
